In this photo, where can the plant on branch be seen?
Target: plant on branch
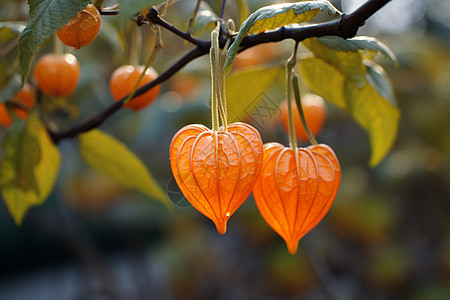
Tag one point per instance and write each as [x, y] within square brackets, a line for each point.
[335, 65]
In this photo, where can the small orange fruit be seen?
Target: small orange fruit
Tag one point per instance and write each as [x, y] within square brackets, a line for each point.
[25, 98]
[57, 75]
[123, 80]
[81, 30]
[315, 114]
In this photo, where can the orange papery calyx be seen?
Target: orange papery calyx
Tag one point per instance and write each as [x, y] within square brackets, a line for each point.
[296, 186]
[216, 169]
[296, 189]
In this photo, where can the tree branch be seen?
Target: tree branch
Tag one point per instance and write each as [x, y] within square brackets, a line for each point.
[346, 27]
[97, 120]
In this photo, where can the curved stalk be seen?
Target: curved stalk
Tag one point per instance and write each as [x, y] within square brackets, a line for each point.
[298, 101]
[213, 56]
[156, 48]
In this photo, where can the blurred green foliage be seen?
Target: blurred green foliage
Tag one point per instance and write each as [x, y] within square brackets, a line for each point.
[386, 237]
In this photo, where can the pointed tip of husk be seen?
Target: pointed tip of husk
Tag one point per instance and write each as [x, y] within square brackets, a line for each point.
[221, 227]
[292, 247]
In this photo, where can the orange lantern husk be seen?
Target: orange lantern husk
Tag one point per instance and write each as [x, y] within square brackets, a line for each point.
[296, 189]
[216, 170]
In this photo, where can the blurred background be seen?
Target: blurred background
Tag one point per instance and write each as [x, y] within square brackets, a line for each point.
[386, 236]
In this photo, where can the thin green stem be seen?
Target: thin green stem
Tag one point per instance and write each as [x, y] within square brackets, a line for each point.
[214, 113]
[58, 46]
[213, 55]
[223, 55]
[156, 48]
[218, 84]
[290, 64]
[136, 45]
[222, 92]
[296, 87]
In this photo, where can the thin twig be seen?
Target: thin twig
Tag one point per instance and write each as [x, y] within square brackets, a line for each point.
[156, 19]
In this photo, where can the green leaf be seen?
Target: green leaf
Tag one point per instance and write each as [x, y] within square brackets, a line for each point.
[275, 16]
[366, 45]
[112, 158]
[129, 8]
[205, 17]
[12, 87]
[370, 100]
[29, 167]
[378, 78]
[45, 18]
[10, 30]
[244, 89]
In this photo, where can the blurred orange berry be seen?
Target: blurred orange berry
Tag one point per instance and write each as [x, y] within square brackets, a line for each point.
[25, 98]
[123, 80]
[57, 75]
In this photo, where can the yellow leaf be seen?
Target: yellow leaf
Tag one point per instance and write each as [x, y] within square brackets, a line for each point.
[277, 20]
[245, 88]
[366, 45]
[348, 63]
[377, 115]
[324, 80]
[26, 182]
[341, 72]
[112, 158]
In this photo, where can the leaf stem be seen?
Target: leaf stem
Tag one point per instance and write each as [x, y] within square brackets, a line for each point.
[156, 48]
[229, 27]
[296, 87]
[222, 91]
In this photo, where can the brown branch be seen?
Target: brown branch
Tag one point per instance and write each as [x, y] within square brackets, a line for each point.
[97, 120]
[346, 27]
